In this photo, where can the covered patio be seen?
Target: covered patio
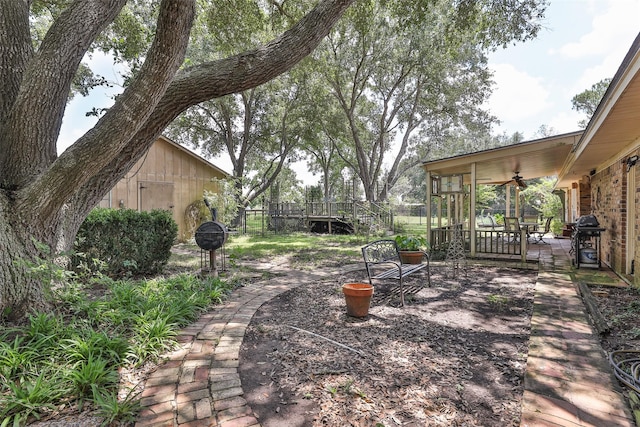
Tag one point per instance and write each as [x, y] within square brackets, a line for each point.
[453, 184]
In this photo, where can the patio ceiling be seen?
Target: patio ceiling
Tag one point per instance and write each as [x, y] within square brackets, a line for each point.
[532, 159]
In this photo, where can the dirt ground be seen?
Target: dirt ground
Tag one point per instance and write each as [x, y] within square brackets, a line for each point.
[454, 355]
[620, 307]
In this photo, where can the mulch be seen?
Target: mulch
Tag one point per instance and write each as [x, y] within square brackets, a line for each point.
[455, 354]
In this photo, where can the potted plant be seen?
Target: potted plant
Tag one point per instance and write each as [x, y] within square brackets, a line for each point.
[411, 248]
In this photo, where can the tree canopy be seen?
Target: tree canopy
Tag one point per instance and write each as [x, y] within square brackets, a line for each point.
[587, 102]
[381, 94]
[45, 197]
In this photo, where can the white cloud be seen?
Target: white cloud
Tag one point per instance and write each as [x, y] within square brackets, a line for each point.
[612, 33]
[566, 121]
[614, 25]
[535, 83]
[517, 95]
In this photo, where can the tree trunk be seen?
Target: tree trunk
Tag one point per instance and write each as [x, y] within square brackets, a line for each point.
[21, 292]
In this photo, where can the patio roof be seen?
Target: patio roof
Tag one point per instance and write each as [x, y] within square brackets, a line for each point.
[532, 159]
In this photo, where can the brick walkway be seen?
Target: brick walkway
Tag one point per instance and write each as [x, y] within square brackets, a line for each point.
[199, 385]
[568, 381]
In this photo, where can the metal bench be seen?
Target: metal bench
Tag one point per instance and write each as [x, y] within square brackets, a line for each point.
[382, 261]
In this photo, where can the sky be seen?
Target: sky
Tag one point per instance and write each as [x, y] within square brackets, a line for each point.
[581, 43]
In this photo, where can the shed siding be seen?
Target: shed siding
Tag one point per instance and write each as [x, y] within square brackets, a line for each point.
[164, 162]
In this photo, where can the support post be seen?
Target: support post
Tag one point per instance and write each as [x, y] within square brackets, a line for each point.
[472, 211]
[428, 210]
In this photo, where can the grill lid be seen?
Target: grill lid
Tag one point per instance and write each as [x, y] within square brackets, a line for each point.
[211, 235]
[587, 221]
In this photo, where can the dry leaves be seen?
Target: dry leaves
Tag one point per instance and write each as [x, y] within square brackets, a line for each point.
[454, 355]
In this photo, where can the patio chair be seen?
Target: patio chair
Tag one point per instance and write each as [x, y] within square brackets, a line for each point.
[488, 221]
[512, 228]
[539, 234]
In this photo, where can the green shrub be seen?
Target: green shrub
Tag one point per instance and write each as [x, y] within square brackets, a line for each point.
[407, 242]
[129, 242]
[556, 227]
[56, 361]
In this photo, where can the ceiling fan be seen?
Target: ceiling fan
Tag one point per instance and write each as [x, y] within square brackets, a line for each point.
[516, 180]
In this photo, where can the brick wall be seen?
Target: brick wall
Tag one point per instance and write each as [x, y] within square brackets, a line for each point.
[609, 202]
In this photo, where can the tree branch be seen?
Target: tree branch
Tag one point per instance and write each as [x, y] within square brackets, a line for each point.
[33, 125]
[103, 144]
[215, 79]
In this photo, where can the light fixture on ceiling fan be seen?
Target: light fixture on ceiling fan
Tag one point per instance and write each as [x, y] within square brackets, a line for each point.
[515, 180]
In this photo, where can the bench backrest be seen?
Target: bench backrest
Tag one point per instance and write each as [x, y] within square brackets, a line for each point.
[380, 251]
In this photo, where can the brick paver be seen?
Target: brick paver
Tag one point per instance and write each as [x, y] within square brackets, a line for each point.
[200, 385]
[568, 381]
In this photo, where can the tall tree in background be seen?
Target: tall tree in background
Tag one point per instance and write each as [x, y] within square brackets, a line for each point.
[326, 135]
[45, 197]
[403, 84]
[259, 131]
[587, 102]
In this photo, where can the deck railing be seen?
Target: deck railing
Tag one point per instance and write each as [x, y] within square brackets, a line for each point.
[440, 238]
[487, 241]
[499, 242]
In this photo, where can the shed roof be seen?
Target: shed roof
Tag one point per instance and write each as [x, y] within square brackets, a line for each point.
[195, 156]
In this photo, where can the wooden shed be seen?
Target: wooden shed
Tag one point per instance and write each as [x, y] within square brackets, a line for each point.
[168, 177]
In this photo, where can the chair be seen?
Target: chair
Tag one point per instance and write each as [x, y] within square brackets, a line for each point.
[488, 222]
[512, 228]
[539, 234]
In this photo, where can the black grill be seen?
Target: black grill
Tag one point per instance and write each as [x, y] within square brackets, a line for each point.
[211, 235]
[585, 245]
[587, 221]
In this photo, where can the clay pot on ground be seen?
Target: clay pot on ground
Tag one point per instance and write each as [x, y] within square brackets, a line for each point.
[358, 298]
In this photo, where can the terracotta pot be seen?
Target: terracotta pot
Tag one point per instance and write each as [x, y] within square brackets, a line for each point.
[411, 257]
[358, 298]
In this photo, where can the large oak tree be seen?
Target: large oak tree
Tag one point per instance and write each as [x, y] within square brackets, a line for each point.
[407, 77]
[45, 197]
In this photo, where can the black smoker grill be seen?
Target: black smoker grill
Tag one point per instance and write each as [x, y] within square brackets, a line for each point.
[211, 236]
[585, 243]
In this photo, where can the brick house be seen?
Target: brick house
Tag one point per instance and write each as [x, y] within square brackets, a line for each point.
[168, 177]
[596, 170]
[600, 174]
